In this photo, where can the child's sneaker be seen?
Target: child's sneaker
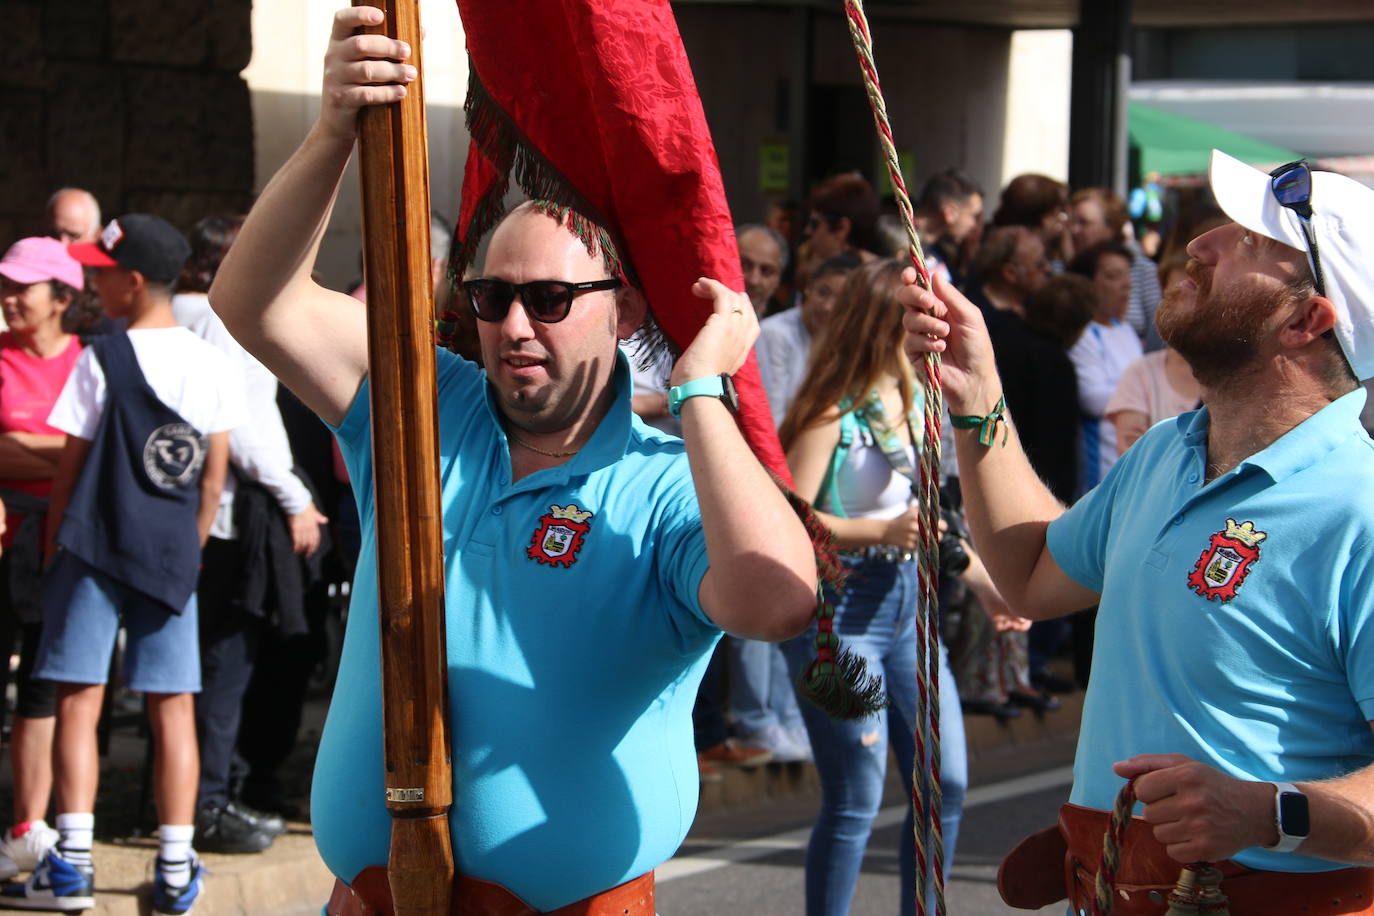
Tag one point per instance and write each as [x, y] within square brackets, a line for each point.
[24, 852]
[55, 884]
[177, 901]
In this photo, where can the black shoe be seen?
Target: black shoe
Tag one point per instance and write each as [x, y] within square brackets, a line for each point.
[1038, 703]
[226, 830]
[1053, 683]
[263, 820]
[270, 800]
[1002, 711]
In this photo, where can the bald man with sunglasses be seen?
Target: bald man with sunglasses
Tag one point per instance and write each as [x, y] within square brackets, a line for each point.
[1231, 551]
[591, 562]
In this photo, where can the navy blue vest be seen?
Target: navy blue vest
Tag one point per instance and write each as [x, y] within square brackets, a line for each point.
[132, 514]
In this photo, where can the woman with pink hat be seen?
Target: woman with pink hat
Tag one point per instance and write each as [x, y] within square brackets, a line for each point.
[39, 285]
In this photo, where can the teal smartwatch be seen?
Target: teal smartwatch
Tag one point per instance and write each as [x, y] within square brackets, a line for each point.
[713, 386]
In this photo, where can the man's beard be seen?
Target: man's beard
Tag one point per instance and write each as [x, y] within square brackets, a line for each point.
[1220, 337]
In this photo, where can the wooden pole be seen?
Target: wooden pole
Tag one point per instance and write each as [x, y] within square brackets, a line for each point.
[405, 426]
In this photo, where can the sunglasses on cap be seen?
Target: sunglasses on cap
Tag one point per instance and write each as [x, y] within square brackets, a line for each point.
[1292, 188]
[546, 301]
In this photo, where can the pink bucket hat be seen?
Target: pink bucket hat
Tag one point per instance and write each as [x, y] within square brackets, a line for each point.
[36, 259]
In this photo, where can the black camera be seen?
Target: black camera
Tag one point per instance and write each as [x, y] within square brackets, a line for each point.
[953, 554]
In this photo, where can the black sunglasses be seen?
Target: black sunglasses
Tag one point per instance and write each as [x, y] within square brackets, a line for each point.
[547, 301]
[1292, 187]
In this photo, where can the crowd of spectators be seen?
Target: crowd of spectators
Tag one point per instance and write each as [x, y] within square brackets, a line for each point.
[152, 483]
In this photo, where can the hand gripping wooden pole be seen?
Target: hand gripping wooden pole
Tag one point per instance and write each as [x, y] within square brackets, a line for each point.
[405, 426]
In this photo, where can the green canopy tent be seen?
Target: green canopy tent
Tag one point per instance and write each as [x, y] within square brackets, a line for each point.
[1175, 146]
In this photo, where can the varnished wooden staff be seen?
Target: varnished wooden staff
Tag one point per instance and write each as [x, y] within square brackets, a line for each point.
[405, 427]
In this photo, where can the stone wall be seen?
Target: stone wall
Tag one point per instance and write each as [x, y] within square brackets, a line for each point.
[139, 101]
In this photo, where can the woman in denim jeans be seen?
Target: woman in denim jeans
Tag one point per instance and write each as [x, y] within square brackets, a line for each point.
[849, 444]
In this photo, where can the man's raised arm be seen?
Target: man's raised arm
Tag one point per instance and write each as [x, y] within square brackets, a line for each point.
[1007, 506]
[312, 338]
[762, 580]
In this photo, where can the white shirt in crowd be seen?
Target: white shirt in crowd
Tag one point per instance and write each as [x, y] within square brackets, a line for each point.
[187, 374]
[651, 379]
[259, 450]
[1099, 357]
[783, 350]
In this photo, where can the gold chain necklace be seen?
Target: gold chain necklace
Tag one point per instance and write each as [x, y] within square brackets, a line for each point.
[534, 448]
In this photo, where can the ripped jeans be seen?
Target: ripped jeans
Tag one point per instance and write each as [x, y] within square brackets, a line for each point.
[876, 618]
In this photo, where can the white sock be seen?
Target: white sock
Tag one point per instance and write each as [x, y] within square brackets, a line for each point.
[174, 853]
[74, 835]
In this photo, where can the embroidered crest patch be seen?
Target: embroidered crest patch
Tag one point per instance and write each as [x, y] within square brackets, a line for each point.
[1226, 562]
[559, 536]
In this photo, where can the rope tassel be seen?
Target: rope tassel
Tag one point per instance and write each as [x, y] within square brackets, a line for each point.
[926, 794]
[838, 681]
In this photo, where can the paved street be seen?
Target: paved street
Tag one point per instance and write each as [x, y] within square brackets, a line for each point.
[763, 874]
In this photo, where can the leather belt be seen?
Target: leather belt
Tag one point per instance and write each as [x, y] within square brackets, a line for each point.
[370, 895]
[886, 553]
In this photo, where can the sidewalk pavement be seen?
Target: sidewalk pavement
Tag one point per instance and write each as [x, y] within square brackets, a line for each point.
[287, 880]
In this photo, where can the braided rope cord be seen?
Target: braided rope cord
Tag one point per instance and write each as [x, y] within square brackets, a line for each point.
[1194, 876]
[1105, 886]
[926, 795]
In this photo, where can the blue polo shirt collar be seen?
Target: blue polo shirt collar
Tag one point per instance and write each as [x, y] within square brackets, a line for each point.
[1320, 433]
[606, 446]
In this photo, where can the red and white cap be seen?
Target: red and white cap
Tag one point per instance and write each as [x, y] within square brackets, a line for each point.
[1343, 226]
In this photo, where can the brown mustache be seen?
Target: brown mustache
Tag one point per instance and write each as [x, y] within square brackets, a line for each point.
[1201, 276]
[523, 354]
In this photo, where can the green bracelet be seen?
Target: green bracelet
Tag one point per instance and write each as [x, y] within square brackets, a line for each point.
[986, 425]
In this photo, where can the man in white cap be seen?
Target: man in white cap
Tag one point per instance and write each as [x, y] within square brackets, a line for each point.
[1229, 550]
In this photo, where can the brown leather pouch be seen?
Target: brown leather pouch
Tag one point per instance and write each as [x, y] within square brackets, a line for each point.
[1032, 875]
[1147, 874]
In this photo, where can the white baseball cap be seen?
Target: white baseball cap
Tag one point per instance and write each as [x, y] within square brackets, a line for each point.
[1343, 226]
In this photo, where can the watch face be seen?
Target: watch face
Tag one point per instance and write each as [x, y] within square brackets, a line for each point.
[729, 395]
[1293, 813]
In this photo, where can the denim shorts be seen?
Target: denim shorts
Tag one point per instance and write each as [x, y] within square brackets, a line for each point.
[82, 612]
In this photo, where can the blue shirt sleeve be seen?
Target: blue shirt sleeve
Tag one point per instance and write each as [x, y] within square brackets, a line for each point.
[1357, 626]
[455, 378]
[682, 559]
[1078, 539]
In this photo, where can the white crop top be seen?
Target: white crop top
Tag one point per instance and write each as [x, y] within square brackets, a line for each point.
[866, 486]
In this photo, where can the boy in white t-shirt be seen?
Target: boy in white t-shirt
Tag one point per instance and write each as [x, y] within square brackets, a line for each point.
[148, 414]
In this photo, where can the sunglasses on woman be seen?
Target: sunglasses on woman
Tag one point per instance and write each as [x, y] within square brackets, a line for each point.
[1292, 188]
[546, 301]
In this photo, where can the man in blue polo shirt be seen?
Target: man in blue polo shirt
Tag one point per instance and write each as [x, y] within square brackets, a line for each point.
[591, 562]
[1229, 550]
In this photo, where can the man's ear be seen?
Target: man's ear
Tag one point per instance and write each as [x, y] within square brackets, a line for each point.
[842, 227]
[631, 309]
[1310, 319]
